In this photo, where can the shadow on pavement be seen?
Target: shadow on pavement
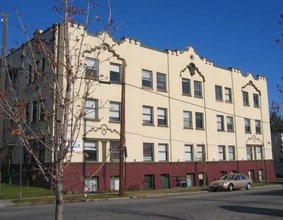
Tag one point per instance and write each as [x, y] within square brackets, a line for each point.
[254, 210]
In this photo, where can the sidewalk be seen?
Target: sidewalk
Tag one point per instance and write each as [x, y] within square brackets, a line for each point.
[5, 203]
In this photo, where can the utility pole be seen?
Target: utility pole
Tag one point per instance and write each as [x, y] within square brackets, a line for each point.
[122, 134]
[2, 84]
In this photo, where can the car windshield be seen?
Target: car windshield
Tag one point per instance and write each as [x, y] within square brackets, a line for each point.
[228, 177]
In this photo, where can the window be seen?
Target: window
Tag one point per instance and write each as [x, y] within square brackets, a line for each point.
[188, 152]
[199, 120]
[256, 100]
[91, 68]
[245, 98]
[43, 62]
[197, 89]
[218, 93]
[228, 95]
[230, 123]
[187, 118]
[258, 150]
[146, 78]
[220, 123]
[147, 114]
[258, 126]
[115, 75]
[31, 74]
[200, 153]
[161, 81]
[231, 152]
[162, 152]
[247, 125]
[28, 118]
[221, 152]
[91, 109]
[147, 151]
[249, 153]
[35, 111]
[114, 112]
[114, 150]
[162, 116]
[186, 86]
[90, 150]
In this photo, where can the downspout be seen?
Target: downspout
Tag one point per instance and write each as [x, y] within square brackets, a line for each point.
[169, 109]
[235, 122]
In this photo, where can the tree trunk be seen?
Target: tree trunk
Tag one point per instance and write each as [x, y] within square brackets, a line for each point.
[59, 192]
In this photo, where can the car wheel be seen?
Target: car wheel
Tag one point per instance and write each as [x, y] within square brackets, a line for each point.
[230, 187]
[248, 187]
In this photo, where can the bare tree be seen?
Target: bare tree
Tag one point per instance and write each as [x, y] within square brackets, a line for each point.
[52, 65]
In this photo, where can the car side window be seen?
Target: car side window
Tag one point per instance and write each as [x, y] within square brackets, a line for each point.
[243, 177]
[237, 177]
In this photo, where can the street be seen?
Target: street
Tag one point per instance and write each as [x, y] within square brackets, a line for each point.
[258, 203]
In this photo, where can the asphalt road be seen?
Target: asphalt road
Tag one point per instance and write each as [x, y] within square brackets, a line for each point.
[258, 203]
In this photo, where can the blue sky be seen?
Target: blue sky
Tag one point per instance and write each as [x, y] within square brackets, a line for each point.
[230, 33]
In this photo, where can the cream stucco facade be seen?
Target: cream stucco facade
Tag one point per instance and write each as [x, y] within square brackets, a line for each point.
[179, 107]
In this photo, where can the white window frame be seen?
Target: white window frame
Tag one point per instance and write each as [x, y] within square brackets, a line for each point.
[115, 71]
[147, 79]
[161, 81]
[186, 86]
[115, 112]
[222, 152]
[220, 123]
[189, 154]
[91, 109]
[218, 93]
[147, 114]
[188, 119]
[162, 119]
[162, 152]
[230, 123]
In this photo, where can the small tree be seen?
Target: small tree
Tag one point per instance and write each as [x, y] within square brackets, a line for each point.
[59, 87]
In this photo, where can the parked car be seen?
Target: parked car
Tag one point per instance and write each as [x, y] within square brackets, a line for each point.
[231, 182]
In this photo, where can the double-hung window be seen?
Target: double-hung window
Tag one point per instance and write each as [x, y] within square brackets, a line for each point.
[91, 68]
[245, 98]
[90, 150]
[230, 123]
[228, 94]
[258, 126]
[148, 151]
[163, 152]
[256, 100]
[222, 152]
[198, 89]
[188, 152]
[115, 73]
[114, 115]
[258, 151]
[247, 125]
[186, 86]
[147, 78]
[220, 123]
[162, 116]
[187, 118]
[147, 114]
[218, 93]
[231, 152]
[199, 120]
[200, 154]
[161, 82]
[114, 151]
[91, 109]
[249, 152]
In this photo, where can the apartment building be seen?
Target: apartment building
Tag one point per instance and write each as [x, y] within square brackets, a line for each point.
[187, 120]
